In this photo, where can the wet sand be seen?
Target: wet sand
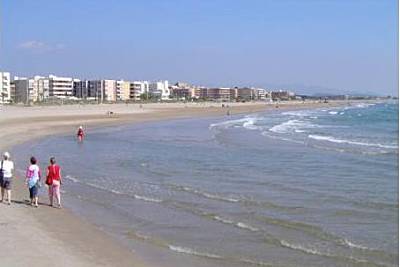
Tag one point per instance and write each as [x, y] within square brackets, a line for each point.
[43, 236]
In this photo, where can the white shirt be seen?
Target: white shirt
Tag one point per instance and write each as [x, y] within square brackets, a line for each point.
[8, 167]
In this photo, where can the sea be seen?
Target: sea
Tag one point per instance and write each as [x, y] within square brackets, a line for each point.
[305, 187]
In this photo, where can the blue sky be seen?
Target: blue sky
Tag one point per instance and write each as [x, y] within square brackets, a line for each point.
[329, 46]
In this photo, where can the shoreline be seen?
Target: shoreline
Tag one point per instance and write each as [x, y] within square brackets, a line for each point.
[78, 242]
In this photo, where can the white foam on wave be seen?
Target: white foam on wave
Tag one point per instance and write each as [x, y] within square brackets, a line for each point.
[281, 138]
[299, 113]
[73, 179]
[147, 199]
[291, 126]
[230, 123]
[246, 226]
[353, 245]
[226, 221]
[218, 197]
[254, 262]
[364, 105]
[116, 192]
[208, 195]
[343, 141]
[193, 252]
[333, 112]
[249, 124]
[301, 248]
[316, 252]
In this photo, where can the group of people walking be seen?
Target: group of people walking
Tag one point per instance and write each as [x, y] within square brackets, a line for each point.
[33, 180]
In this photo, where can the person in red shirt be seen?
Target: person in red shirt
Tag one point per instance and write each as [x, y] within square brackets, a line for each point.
[80, 134]
[54, 181]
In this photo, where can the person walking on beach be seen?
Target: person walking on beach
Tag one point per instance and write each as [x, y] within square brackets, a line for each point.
[33, 177]
[7, 168]
[80, 134]
[54, 181]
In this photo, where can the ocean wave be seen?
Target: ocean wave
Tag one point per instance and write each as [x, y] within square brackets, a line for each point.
[298, 113]
[219, 197]
[333, 112]
[288, 126]
[73, 179]
[229, 123]
[226, 221]
[149, 199]
[364, 105]
[116, 192]
[249, 124]
[257, 263]
[205, 194]
[314, 251]
[353, 245]
[193, 252]
[344, 141]
[246, 226]
[302, 248]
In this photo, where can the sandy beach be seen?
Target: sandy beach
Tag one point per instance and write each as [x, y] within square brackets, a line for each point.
[39, 237]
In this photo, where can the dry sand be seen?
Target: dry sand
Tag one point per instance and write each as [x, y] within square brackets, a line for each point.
[51, 237]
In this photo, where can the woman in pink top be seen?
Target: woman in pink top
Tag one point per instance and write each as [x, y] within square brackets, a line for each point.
[54, 181]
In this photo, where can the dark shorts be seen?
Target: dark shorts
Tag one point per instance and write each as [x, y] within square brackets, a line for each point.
[33, 191]
[6, 183]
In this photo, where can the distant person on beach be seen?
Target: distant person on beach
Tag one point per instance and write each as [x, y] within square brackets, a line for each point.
[80, 134]
[33, 177]
[53, 180]
[7, 168]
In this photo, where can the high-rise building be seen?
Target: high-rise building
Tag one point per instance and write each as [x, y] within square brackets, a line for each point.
[138, 88]
[5, 87]
[103, 90]
[160, 89]
[33, 89]
[81, 89]
[123, 90]
[218, 94]
[61, 87]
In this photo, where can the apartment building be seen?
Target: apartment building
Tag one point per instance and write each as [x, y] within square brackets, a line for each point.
[35, 89]
[61, 87]
[138, 88]
[246, 94]
[184, 91]
[160, 89]
[5, 87]
[123, 90]
[81, 89]
[216, 94]
[103, 90]
[282, 95]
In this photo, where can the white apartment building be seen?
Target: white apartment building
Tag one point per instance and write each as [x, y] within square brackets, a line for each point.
[61, 87]
[110, 90]
[160, 89]
[260, 93]
[138, 88]
[5, 87]
[123, 90]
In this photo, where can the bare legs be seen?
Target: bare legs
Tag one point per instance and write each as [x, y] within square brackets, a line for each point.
[7, 193]
[54, 191]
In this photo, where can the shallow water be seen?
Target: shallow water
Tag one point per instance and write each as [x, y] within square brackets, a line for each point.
[295, 188]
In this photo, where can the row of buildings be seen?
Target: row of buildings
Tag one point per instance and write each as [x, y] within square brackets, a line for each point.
[40, 89]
